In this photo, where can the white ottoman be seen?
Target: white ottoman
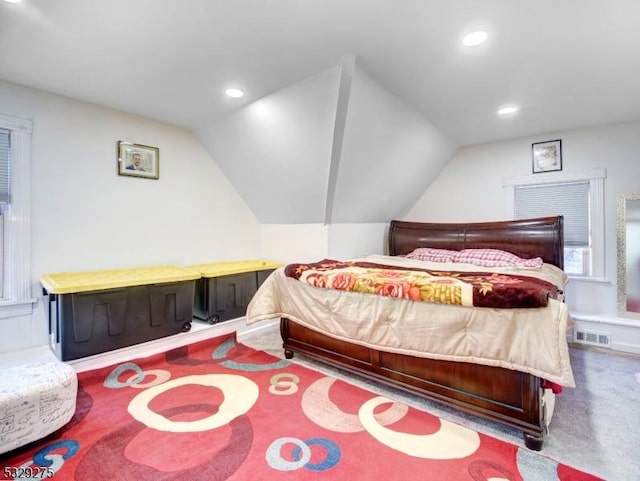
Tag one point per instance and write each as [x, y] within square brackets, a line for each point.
[37, 396]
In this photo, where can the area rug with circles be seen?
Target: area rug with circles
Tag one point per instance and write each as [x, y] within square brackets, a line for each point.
[219, 410]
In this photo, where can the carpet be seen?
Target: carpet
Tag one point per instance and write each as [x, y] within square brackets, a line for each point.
[220, 410]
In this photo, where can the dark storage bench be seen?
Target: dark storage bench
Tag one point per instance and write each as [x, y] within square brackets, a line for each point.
[225, 288]
[95, 312]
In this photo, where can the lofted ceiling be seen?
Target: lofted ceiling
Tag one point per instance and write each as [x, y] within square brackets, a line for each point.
[568, 64]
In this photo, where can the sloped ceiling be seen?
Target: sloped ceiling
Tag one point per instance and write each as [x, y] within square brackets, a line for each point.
[390, 154]
[277, 150]
[334, 148]
[342, 144]
[569, 64]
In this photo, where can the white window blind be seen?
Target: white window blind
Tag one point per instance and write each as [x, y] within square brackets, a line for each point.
[570, 199]
[4, 165]
[16, 289]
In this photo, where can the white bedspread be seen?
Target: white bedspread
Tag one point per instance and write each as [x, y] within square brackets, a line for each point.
[527, 340]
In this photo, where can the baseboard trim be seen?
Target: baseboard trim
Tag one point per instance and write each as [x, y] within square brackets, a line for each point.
[257, 329]
[604, 319]
[624, 333]
[625, 347]
[199, 332]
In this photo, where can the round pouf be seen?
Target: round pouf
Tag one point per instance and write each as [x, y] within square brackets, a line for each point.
[36, 398]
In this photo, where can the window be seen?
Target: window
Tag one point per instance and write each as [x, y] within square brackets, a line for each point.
[579, 199]
[15, 195]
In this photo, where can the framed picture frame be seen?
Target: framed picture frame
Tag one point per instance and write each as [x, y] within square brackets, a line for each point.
[546, 156]
[137, 160]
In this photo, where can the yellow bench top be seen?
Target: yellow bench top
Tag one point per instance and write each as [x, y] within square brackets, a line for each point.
[217, 269]
[72, 282]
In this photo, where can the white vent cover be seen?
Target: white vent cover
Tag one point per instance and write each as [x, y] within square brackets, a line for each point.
[593, 338]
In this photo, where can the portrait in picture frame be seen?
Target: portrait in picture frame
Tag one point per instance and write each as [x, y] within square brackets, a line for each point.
[137, 160]
[547, 156]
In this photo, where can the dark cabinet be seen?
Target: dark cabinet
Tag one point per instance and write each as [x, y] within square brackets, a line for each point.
[225, 289]
[95, 312]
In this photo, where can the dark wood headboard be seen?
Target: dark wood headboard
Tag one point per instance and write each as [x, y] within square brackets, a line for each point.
[528, 238]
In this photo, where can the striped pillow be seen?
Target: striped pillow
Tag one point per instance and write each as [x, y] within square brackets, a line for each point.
[430, 254]
[494, 258]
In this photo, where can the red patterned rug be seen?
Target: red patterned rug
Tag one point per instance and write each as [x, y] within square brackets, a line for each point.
[219, 410]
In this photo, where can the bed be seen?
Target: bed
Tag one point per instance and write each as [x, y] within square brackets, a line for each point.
[507, 388]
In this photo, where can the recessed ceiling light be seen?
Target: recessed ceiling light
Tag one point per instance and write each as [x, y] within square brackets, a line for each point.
[508, 110]
[474, 38]
[234, 93]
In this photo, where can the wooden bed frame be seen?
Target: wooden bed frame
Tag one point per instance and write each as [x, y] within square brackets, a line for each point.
[506, 396]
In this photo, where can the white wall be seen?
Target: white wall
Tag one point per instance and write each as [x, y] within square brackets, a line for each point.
[289, 243]
[276, 150]
[470, 188]
[86, 217]
[390, 154]
[355, 240]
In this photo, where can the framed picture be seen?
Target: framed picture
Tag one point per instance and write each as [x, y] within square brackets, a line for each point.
[138, 160]
[547, 156]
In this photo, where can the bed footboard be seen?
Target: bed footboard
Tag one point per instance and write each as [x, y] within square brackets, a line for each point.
[509, 397]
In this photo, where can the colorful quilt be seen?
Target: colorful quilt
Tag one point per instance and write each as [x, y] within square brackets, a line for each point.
[471, 289]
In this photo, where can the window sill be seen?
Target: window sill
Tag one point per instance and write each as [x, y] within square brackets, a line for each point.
[593, 280]
[16, 308]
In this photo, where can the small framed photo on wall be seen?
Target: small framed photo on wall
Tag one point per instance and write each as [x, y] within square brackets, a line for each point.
[547, 156]
[138, 160]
